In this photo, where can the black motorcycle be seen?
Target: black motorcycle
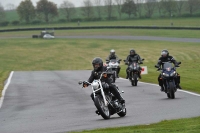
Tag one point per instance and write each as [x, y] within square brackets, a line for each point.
[106, 103]
[134, 70]
[169, 76]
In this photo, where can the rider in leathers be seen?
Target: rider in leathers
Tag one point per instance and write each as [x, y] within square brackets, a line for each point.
[165, 57]
[113, 56]
[106, 82]
[133, 57]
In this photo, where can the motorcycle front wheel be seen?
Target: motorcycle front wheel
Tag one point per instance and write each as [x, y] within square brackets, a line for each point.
[102, 108]
[171, 90]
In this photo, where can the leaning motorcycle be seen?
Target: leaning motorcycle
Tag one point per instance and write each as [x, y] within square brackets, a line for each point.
[106, 103]
[169, 75]
[134, 70]
[113, 64]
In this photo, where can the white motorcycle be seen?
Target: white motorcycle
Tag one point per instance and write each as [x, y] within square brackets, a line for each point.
[113, 64]
[106, 103]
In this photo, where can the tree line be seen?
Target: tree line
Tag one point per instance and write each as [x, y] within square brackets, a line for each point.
[91, 10]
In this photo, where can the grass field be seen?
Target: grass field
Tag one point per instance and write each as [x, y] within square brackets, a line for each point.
[110, 32]
[75, 54]
[177, 22]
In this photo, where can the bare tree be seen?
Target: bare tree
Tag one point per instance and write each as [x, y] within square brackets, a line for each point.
[139, 7]
[2, 13]
[68, 9]
[150, 6]
[87, 9]
[129, 8]
[109, 8]
[119, 7]
[169, 6]
[26, 11]
[10, 6]
[98, 7]
[159, 7]
[179, 5]
[193, 5]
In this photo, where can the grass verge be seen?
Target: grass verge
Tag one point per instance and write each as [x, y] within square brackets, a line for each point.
[110, 32]
[189, 125]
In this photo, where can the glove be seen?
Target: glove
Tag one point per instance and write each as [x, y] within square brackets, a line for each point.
[85, 84]
[105, 85]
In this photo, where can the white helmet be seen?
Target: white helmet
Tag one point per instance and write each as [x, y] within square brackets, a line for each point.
[112, 52]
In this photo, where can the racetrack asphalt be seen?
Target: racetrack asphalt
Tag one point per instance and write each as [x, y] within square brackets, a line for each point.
[53, 102]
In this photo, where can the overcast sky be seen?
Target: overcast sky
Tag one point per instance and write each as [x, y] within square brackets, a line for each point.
[4, 3]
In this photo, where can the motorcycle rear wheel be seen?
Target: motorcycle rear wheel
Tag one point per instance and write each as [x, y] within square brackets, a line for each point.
[100, 105]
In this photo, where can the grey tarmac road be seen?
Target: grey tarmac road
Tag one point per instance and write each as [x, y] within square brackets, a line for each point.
[170, 39]
[53, 102]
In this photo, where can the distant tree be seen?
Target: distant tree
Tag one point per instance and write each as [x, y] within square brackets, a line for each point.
[193, 5]
[129, 8]
[2, 13]
[46, 10]
[169, 6]
[87, 9]
[26, 11]
[10, 6]
[159, 7]
[68, 9]
[149, 7]
[109, 8]
[98, 7]
[119, 7]
[139, 7]
[179, 6]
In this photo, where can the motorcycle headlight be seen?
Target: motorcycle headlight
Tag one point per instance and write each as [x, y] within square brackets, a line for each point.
[165, 74]
[172, 74]
[95, 85]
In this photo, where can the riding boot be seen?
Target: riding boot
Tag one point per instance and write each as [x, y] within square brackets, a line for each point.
[116, 93]
[127, 75]
[139, 75]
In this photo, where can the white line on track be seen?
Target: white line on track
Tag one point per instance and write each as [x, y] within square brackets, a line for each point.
[5, 88]
[195, 94]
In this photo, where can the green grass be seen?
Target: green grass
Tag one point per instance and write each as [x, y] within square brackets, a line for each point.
[118, 32]
[75, 54]
[191, 125]
[177, 22]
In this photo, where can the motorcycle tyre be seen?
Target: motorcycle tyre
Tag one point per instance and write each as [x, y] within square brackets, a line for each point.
[171, 90]
[98, 100]
[135, 79]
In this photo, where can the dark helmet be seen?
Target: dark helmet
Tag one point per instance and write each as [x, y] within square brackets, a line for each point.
[97, 63]
[164, 53]
[132, 52]
[112, 52]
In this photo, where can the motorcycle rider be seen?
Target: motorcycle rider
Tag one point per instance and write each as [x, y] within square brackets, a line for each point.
[133, 57]
[165, 57]
[106, 82]
[113, 56]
